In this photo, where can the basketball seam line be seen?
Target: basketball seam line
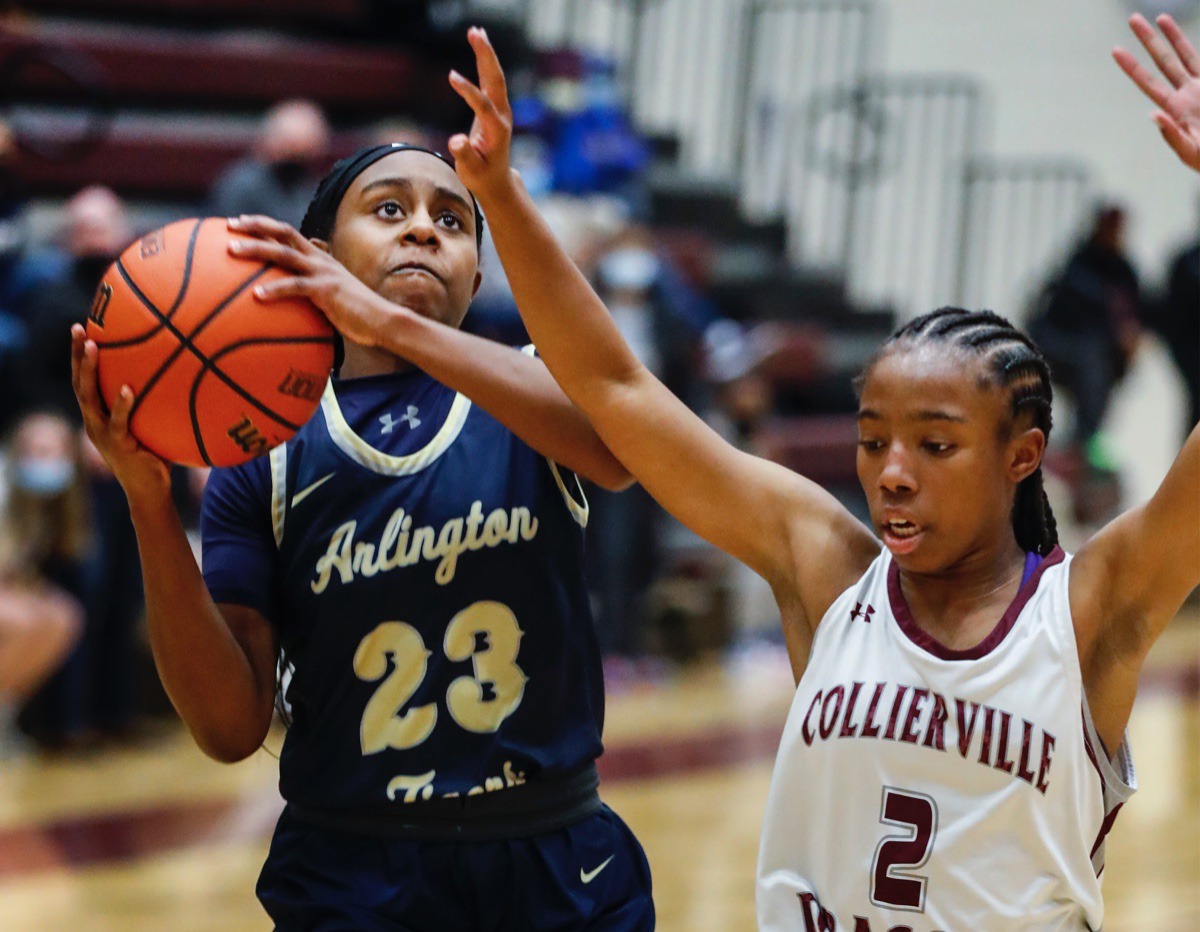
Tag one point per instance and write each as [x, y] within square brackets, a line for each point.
[185, 342]
[183, 287]
[251, 341]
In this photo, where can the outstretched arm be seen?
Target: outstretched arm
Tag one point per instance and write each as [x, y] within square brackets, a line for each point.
[1177, 97]
[1130, 579]
[787, 528]
[511, 386]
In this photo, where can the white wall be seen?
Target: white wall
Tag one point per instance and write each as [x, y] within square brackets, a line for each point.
[1053, 89]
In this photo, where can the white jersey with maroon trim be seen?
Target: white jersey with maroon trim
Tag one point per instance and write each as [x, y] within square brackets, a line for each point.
[921, 788]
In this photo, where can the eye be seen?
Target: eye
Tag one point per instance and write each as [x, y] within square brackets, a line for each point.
[390, 210]
[451, 219]
[870, 444]
[937, 447]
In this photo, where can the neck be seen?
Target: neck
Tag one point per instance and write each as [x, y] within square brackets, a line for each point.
[370, 360]
[960, 605]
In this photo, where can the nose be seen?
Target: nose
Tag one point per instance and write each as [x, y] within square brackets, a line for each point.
[420, 229]
[897, 475]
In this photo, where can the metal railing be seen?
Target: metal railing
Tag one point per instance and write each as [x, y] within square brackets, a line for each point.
[879, 177]
[1022, 218]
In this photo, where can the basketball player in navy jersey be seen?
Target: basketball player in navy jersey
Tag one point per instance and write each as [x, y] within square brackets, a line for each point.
[955, 752]
[415, 556]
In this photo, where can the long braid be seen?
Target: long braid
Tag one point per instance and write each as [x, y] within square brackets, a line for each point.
[1016, 363]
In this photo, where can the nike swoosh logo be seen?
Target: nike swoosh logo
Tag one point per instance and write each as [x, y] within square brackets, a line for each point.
[589, 876]
[308, 490]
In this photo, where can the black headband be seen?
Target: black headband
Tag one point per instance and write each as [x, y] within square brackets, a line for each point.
[322, 209]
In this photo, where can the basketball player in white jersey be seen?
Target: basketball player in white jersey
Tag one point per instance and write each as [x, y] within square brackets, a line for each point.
[955, 753]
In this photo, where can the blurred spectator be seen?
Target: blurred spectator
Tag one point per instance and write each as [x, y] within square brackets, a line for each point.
[662, 321]
[45, 539]
[13, 333]
[1177, 321]
[591, 145]
[95, 694]
[12, 232]
[280, 178]
[743, 397]
[97, 229]
[1088, 328]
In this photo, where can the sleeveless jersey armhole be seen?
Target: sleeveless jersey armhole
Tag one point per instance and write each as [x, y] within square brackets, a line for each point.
[1116, 773]
[1118, 780]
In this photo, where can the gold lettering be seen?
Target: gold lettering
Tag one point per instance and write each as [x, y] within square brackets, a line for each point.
[336, 557]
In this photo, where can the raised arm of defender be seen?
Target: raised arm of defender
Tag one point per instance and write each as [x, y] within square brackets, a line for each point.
[1129, 580]
[787, 528]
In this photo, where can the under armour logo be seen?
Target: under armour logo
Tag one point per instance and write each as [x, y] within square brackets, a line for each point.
[859, 613]
[410, 418]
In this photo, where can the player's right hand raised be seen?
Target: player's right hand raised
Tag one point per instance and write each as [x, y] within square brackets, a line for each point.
[139, 471]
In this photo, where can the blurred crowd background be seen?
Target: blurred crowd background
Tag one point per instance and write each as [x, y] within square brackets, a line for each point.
[741, 252]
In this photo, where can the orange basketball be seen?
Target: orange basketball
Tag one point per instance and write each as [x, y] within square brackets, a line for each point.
[218, 376]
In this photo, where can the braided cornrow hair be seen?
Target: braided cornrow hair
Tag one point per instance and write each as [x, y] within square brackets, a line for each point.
[1017, 364]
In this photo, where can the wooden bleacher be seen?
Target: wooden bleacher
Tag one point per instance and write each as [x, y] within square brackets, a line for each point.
[345, 13]
[185, 102]
[174, 68]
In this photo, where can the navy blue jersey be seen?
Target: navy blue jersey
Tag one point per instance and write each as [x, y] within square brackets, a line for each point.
[423, 568]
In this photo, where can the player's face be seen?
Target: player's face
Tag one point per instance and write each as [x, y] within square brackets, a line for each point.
[936, 460]
[406, 227]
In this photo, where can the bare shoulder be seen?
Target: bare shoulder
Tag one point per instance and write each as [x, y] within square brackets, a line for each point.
[831, 549]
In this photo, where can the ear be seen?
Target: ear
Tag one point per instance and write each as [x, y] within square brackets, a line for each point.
[1025, 452]
[478, 282]
[320, 244]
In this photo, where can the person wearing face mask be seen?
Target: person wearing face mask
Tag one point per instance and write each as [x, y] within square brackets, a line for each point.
[45, 536]
[663, 331]
[96, 228]
[96, 691]
[279, 179]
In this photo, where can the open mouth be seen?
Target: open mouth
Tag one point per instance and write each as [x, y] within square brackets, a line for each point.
[900, 535]
[901, 529]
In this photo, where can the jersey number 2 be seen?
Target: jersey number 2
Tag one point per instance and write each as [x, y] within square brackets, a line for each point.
[892, 882]
[486, 633]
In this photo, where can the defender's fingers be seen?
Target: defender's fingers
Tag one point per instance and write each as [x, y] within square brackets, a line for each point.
[1151, 86]
[1183, 48]
[478, 101]
[466, 157]
[1160, 50]
[491, 74]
